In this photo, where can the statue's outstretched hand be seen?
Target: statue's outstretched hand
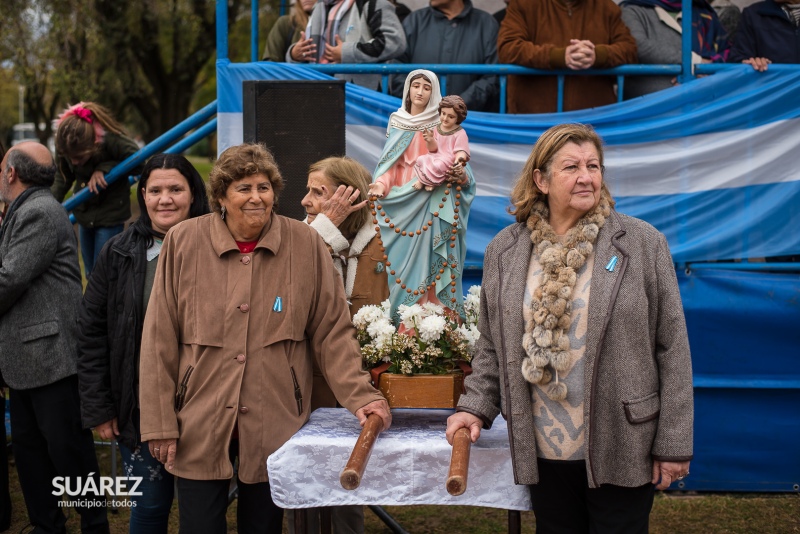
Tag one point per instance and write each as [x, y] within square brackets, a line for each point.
[456, 175]
[377, 189]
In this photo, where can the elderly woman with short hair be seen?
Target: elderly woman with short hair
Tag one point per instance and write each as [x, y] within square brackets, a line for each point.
[242, 302]
[583, 347]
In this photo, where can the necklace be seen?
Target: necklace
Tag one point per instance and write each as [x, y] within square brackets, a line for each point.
[451, 132]
[546, 339]
[376, 208]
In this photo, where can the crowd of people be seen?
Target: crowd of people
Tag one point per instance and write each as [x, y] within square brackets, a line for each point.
[212, 327]
[553, 34]
[144, 353]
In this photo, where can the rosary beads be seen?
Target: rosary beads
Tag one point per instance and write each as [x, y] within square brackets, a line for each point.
[376, 208]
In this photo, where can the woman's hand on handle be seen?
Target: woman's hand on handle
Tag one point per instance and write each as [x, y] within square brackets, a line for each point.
[379, 408]
[463, 420]
[164, 450]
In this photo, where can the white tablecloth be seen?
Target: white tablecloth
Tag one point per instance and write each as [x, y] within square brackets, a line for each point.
[409, 464]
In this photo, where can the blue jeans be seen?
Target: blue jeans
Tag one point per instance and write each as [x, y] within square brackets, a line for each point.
[151, 513]
[92, 241]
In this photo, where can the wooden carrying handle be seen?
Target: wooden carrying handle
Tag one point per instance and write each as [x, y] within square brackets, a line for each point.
[459, 462]
[354, 470]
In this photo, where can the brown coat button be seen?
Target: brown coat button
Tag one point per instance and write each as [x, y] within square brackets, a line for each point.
[246, 260]
[244, 409]
[244, 308]
[240, 358]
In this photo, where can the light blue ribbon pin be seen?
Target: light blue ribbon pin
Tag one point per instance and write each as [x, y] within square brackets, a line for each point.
[611, 264]
[278, 306]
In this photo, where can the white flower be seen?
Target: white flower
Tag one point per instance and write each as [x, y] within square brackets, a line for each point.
[381, 332]
[431, 328]
[472, 303]
[475, 291]
[410, 315]
[470, 335]
[368, 315]
[476, 334]
[432, 309]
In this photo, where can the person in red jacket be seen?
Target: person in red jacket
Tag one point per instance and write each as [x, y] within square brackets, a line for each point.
[563, 34]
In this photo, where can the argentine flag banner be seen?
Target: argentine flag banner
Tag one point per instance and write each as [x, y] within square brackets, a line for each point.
[714, 164]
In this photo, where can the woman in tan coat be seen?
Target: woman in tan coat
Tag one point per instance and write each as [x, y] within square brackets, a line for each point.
[243, 301]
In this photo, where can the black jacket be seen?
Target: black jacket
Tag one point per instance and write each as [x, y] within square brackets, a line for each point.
[110, 334]
[766, 31]
[470, 37]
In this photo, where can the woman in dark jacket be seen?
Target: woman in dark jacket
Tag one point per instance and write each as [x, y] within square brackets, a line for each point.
[111, 318]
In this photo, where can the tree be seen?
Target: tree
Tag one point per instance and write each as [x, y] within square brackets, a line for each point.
[24, 41]
[143, 60]
[157, 49]
[9, 104]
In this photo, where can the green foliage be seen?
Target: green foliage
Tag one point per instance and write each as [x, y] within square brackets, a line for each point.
[238, 49]
[9, 103]
[151, 62]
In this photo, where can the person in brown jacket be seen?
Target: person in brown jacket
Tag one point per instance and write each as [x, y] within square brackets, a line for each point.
[336, 205]
[563, 34]
[243, 302]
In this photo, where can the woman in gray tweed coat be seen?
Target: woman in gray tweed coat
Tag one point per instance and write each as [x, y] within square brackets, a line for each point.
[583, 347]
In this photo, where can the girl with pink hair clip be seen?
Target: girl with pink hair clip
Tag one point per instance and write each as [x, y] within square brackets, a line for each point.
[89, 143]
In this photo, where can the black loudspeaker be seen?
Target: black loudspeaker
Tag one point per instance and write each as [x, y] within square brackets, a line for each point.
[301, 122]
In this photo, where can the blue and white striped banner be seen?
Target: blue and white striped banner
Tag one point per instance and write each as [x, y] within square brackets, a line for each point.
[713, 163]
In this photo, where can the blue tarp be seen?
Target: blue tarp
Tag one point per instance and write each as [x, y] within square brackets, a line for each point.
[744, 332]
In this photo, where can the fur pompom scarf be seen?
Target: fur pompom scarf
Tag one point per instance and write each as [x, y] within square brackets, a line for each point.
[546, 339]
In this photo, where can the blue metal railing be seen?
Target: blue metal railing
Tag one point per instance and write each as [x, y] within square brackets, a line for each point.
[164, 143]
[502, 71]
[684, 71]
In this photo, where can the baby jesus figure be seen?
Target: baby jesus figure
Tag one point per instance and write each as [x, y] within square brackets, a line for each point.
[448, 145]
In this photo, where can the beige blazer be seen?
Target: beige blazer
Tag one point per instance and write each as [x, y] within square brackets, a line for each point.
[638, 375]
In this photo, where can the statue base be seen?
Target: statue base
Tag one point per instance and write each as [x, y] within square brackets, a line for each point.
[421, 390]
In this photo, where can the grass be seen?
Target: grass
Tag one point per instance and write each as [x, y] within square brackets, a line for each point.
[674, 512]
[203, 165]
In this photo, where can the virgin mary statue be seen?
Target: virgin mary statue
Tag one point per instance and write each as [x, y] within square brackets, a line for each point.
[423, 232]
